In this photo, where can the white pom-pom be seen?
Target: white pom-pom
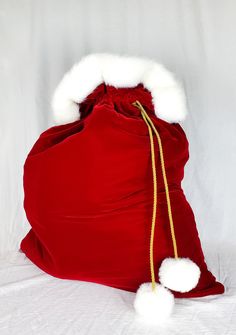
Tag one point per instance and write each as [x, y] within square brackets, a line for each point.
[180, 274]
[154, 306]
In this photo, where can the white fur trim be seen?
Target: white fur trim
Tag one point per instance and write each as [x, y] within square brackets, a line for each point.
[119, 71]
[180, 275]
[153, 306]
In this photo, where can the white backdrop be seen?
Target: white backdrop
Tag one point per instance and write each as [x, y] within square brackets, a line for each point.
[40, 40]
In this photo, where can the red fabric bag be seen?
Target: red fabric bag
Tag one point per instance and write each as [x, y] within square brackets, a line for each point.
[89, 195]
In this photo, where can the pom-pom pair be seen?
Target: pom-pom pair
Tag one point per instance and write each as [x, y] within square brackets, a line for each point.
[155, 304]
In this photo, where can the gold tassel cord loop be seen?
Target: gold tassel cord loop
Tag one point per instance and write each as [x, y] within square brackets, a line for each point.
[151, 127]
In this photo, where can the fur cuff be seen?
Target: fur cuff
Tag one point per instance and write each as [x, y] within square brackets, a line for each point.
[119, 71]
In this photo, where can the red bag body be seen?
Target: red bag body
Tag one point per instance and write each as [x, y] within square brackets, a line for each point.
[89, 196]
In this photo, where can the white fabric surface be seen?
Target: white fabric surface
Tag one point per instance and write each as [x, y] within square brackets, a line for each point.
[33, 302]
[39, 41]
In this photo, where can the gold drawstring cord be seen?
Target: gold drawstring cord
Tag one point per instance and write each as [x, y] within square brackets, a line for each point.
[151, 127]
[154, 201]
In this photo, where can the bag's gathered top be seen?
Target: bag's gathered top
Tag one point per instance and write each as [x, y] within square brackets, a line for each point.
[123, 113]
[121, 72]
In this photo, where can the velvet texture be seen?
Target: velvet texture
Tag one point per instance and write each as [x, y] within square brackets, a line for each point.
[89, 196]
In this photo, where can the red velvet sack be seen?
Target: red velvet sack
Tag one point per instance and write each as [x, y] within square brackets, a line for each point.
[89, 196]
